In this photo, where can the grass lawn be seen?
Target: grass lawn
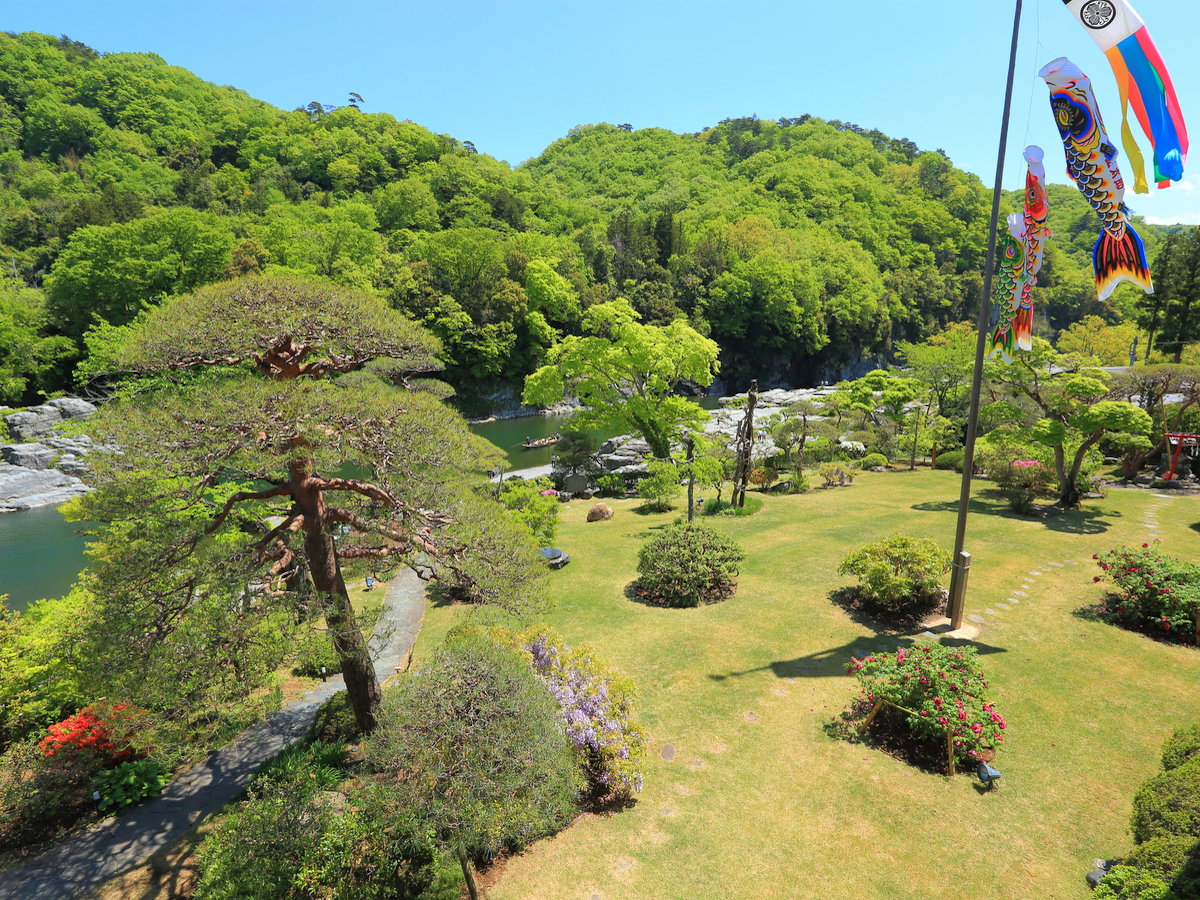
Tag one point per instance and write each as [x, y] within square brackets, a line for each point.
[756, 801]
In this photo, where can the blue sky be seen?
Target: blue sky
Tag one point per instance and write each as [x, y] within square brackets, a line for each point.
[513, 76]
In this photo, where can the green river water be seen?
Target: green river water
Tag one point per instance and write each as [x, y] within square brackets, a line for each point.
[41, 553]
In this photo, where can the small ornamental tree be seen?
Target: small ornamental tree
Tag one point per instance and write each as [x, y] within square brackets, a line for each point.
[660, 486]
[535, 505]
[899, 574]
[596, 708]
[939, 694]
[1155, 593]
[687, 565]
[1021, 482]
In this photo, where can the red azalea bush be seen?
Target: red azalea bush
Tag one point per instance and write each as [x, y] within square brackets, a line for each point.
[1155, 594]
[933, 691]
[103, 731]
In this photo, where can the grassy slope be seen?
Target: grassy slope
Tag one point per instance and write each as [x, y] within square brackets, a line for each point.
[759, 802]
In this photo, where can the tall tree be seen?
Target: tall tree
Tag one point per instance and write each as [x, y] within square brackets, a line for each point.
[626, 374]
[1181, 316]
[293, 440]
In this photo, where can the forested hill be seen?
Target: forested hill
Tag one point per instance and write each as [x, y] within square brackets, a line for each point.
[801, 246]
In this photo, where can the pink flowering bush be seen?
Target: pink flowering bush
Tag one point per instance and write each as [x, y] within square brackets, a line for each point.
[1022, 481]
[934, 691]
[597, 712]
[1154, 593]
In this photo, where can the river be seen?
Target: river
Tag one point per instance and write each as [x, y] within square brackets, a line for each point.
[41, 553]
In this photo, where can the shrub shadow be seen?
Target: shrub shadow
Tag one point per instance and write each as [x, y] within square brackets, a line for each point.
[1072, 521]
[854, 602]
[832, 661]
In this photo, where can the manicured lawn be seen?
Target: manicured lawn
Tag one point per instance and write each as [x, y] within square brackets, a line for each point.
[758, 801]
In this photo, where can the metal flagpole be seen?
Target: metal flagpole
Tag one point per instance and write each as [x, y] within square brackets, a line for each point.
[962, 559]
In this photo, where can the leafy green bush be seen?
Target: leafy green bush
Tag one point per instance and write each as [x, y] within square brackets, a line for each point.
[1156, 594]
[951, 459]
[871, 460]
[1181, 746]
[899, 574]
[1168, 804]
[1125, 883]
[321, 762]
[129, 783]
[1163, 856]
[40, 795]
[800, 484]
[686, 565]
[660, 486]
[257, 852]
[941, 694]
[1022, 481]
[535, 505]
[611, 484]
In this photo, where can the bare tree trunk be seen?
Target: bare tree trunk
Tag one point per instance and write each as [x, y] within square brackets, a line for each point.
[745, 447]
[468, 874]
[362, 687]
[690, 443]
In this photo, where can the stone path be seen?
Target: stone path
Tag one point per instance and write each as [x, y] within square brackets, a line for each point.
[117, 844]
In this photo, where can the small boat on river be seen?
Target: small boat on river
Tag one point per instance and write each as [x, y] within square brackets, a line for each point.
[534, 443]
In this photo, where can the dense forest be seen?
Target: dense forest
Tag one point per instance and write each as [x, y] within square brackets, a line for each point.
[803, 247]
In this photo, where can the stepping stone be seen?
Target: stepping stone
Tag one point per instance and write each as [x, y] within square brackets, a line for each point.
[666, 811]
[1026, 586]
[978, 620]
[782, 692]
[682, 789]
[697, 763]
[990, 612]
[751, 717]
[1020, 594]
[1164, 496]
[1012, 600]
[1001, 606]
[1036, 572]
[861, 654]
[667, 752]
[624, 863]
[928, 634]
[1057, 565]
[1072, 562]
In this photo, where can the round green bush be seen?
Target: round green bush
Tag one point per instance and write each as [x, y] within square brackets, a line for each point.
[951, 459]
[899, 574]
[686, 565]
[1168, 804]
[1181, 746]
[871, 460]
[1164, 856]
[1126, 883]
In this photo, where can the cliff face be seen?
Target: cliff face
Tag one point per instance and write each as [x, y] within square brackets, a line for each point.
[42, 467]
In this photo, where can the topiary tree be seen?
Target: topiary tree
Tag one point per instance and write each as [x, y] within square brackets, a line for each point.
[1181, 746]
[687, 565]
[900, 574]
[471, 746]
[277, 432]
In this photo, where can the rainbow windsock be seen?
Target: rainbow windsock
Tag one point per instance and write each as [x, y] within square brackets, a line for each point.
[1144, 82]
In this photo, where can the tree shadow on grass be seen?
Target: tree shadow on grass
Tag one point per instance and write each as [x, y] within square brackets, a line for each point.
[1085, 520]
[826, 663]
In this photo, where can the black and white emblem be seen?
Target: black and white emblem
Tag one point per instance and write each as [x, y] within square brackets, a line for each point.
[1097, 13]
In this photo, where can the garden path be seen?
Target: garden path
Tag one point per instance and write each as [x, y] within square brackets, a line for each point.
[87, 860]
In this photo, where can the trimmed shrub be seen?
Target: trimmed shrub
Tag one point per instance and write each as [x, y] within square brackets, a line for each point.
[686, 565]
[1126, 883]
[1164, 857]
[899, 574]
[596, 708]
[941, 692]
[1181, 746]
[872, 460]
[1168, 804]
[1156, 594]
[951, 459]
[1022, 481]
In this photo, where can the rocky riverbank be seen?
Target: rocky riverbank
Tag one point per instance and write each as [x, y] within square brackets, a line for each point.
[42, 466]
